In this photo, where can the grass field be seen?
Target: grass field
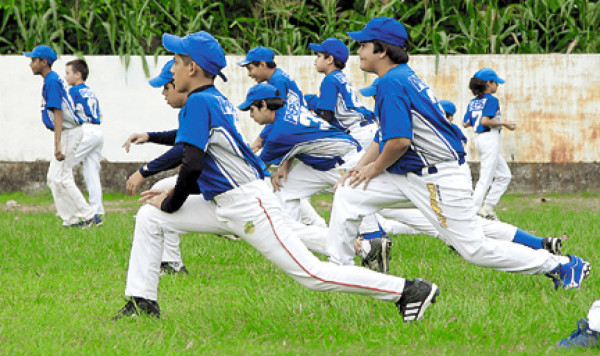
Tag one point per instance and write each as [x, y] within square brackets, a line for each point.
[60, 287]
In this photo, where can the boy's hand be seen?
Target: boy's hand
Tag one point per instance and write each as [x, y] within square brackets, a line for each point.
[510, 125]
[137, 139]
[133, 182]
[59, 155]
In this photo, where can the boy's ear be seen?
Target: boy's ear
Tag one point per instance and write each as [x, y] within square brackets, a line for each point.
[263, 64]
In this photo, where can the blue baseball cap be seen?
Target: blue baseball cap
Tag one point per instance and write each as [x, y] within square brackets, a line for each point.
[488, 74]
[204, 49]
[334, 47]
[371, 90]
[259, 92]
[43, 52]
[311, 101]
[448, 106]
[385, 29]
[258, 54]
[164, 77]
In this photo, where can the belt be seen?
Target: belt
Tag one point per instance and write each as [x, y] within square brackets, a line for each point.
[434, 169]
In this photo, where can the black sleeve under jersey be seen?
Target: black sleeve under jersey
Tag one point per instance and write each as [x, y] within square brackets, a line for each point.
[163, 137]
[326, 115]
[191, 167]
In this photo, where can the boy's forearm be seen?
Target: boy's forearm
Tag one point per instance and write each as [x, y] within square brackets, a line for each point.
[393, 150]
[58, 126]
[369, 156]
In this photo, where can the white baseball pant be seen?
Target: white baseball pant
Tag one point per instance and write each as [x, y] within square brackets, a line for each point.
[594, 316]
[254, 213]
[445, 200]
[494, 174]
[70, 203]
[89, 154]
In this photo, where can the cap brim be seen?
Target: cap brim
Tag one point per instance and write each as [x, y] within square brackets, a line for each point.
[368, 91]
[173, 44]
[243, 63]
[245, 105]
[29, 54]
[159, 81]
[500, 81]
[316, 47]
[360, 36]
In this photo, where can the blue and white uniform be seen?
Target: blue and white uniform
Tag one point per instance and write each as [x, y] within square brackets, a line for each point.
[70, 203]
[494, 173]
[427, 177]
[89, 151]
[338, 95]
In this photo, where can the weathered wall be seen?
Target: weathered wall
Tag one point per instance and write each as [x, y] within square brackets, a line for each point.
[555, 100]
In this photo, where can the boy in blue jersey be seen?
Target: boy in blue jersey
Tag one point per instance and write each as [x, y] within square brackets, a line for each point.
[417, 163]
[483, 114]
[89, 151]
[58, 114]
[218, 163]
[338, 103]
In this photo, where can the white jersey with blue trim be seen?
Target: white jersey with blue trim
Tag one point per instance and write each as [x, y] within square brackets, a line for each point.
[210, 122]
[480, 106]
[407, 108]
[300, 133]
[86, 103]
[56, 96]
[338, 95]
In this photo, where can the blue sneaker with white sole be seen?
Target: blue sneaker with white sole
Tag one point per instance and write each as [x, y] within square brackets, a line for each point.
[570, 275]
[582, 337]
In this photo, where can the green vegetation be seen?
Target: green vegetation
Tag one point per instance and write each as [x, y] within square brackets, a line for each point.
[134, 27]
[60, 287]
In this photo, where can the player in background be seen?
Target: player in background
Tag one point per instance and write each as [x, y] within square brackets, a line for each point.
[483, 114]
[59, 116]
[449, 111]
[587, 332]
[89, 151]
[417, 164]
[219, 163]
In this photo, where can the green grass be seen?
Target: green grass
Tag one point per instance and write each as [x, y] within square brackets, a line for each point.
[61, 286]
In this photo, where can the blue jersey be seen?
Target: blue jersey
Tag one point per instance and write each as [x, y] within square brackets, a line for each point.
[407, 108]
[209, 121]
[459, 133]
[55, 96]
[288, 90]
[338, 95]
[86, 103]
[484, 105]
[299, 133]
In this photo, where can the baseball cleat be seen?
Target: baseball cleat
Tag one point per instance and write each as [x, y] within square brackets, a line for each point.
[172, 268]
[487, 213]
[378, 259]
[582, 337]
[552, 245]
[416, 299]
[230, 237]
[138, 307]
[570, 275]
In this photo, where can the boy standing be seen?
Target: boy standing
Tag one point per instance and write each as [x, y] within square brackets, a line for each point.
[58, 114]
[89, 152]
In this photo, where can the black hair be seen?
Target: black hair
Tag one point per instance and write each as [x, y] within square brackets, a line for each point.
[448, 116]
[186, 59]
[270, 65]
[477, 86]
[337, 63]
[80, 66]
[273, 104]
[397, 54]
[172, 82]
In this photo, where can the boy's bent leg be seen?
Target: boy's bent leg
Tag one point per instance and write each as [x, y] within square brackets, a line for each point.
[93, 141]
[502, 177]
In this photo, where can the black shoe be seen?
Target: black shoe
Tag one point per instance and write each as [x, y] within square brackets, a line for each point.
[137, 307]
[552, 245]
[378, 259]
[416, 299]
[172, 268]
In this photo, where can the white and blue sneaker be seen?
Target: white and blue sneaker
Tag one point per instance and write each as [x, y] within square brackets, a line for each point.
[570, 275]
[582, 337]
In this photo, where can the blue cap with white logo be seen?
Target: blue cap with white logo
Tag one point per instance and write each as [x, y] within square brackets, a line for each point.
[311, 101]
[43, 52]
[260, 91]
[371, 90]
[448, 106]
[385, 29]
[204, 49]
[488, 74]
[164, 77]
[258, 54]
[334, 47]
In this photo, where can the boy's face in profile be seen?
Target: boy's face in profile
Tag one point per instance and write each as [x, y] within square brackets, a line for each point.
[368, 59]
[37, 65]
[263, 115]
[259, 72]
[180, 74]
[322, 63]
[174, 99]
[71, 76]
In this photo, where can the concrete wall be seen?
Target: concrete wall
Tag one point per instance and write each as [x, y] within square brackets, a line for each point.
[555, 100]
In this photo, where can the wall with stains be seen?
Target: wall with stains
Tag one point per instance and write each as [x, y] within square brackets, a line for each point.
[554, 99]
